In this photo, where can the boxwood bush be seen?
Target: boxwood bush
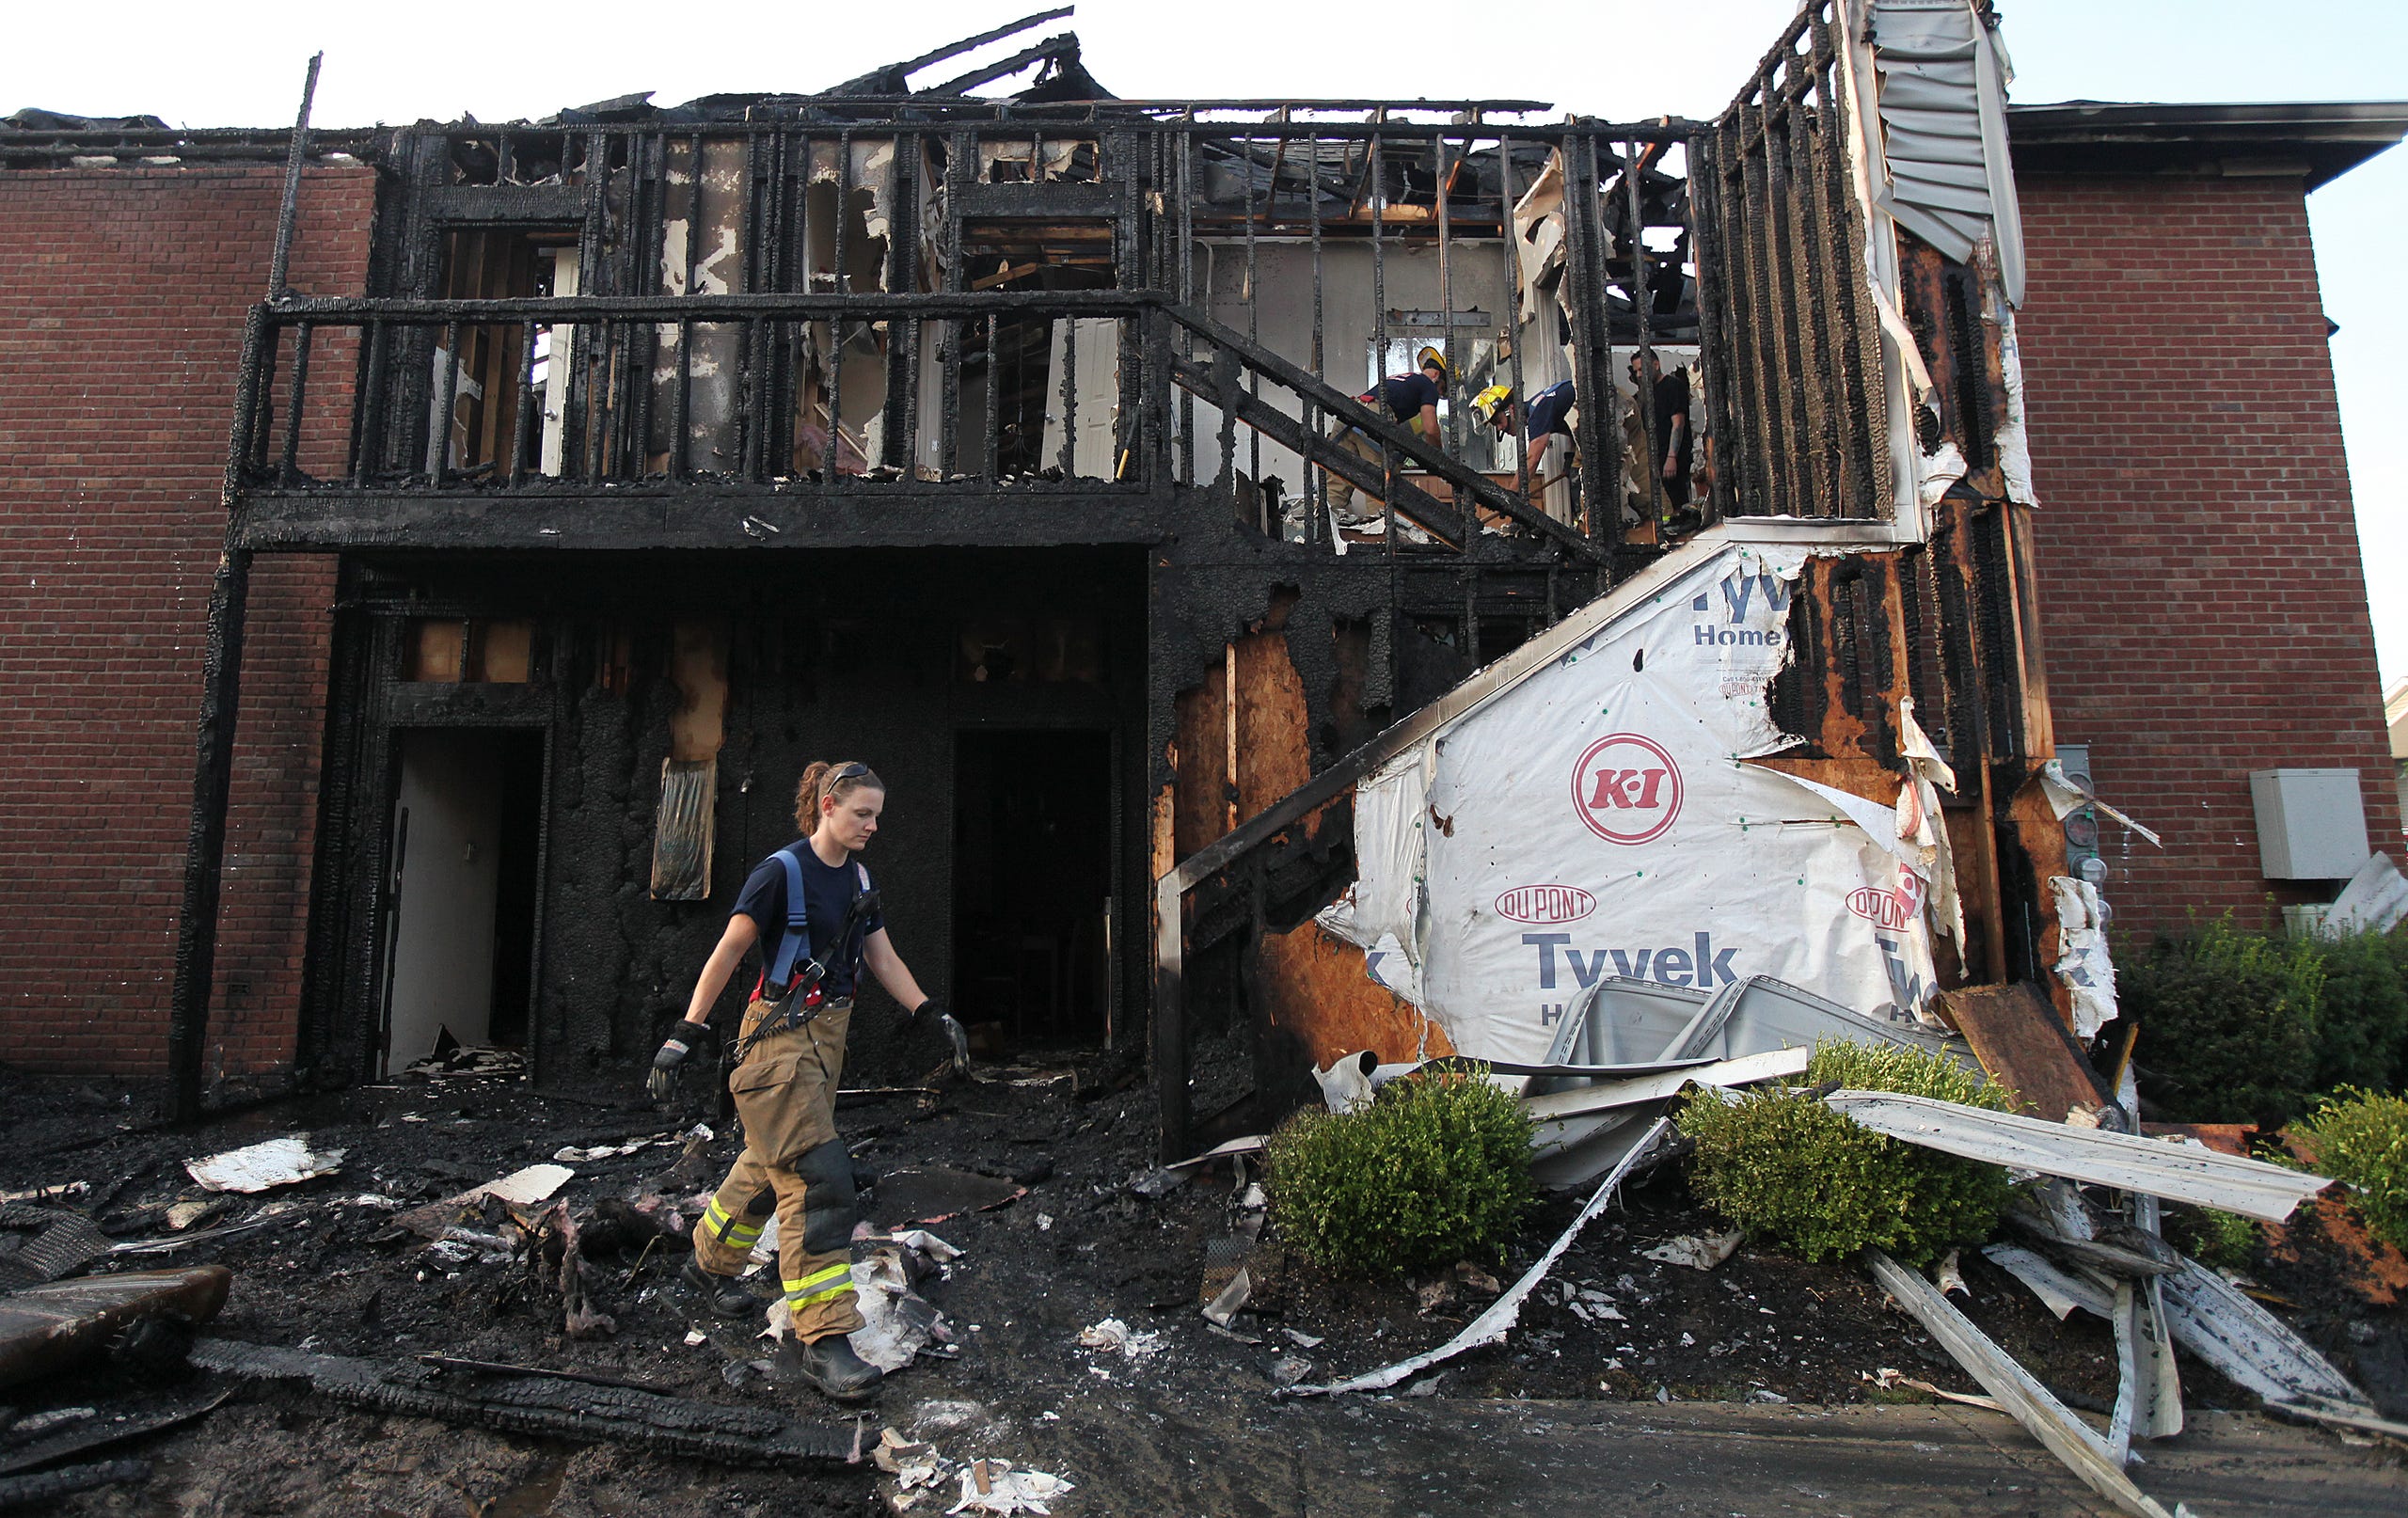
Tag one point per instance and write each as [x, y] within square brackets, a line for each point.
[2252, 1027]
[1436, 1170]
[2227, 1023]
[2362, 1137]
[1791, 1171]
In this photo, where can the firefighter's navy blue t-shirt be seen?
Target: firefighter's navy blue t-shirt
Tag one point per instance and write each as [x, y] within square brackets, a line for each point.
[1407, 394]
[1550, 409]
[827, 890]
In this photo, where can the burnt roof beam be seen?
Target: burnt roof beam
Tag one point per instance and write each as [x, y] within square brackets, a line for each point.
[894, 78]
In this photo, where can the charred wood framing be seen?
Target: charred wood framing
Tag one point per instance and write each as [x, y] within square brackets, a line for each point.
[896, 321]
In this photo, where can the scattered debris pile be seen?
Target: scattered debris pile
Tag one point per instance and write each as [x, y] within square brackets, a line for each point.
[504, 1264]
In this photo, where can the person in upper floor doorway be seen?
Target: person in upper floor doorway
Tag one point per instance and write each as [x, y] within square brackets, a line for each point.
[1669, 443]
[1412, 401]
[815, 915]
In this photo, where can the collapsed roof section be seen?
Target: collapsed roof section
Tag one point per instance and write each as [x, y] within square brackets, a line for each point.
[1050, 66]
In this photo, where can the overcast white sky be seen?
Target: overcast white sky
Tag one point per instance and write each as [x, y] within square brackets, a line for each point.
[240, 63]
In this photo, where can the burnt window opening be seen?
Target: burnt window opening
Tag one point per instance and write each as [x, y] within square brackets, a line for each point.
[468, 651]
[1500, 636]
[1030, 650]
[492, 367]
[515, 157]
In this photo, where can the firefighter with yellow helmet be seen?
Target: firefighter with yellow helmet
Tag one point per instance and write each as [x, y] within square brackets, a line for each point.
[1412, 401]
[1546, 417]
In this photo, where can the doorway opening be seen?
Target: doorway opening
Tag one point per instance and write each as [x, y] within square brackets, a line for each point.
[1033, 888]
[460, 911]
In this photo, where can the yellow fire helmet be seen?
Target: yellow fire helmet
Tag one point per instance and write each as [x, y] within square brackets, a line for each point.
[1489, 404]
[1429, 356]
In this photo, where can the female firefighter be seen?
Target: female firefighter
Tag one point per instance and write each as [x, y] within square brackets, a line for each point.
[811, 908]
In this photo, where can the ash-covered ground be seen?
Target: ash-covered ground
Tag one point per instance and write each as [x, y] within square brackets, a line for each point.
[1180, 1418]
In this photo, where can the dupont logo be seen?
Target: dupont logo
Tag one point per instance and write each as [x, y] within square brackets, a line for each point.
[1541, 904]
[1626, 789]
[1893, 909]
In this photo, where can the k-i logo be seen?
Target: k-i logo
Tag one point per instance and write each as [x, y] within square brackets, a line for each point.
[1626, 789]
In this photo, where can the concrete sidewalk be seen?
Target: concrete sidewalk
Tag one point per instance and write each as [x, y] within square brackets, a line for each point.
[1442, 1458]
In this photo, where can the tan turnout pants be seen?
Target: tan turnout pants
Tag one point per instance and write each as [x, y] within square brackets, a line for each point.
[795, 1166]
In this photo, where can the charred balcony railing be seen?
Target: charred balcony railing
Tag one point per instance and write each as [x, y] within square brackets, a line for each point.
[933, 293]
[628, 391]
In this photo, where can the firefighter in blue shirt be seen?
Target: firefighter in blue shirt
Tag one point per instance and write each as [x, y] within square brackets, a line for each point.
[1548, 417]
[1411, 399]
[812, 912]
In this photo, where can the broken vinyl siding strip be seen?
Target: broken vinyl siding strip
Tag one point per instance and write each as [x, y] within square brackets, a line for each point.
[1607, 1095]
[2030, 1403]
[1492, 1325]
[1635, 1070]
[2374, 900]
[2149, 1389]
[2148, 1396]
[2177, 1172]
[2249, 1346]
[2344, 1418]
[2059, 1291]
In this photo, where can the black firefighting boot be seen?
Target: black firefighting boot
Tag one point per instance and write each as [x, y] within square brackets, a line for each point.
[829, 1364]
[725, 1294]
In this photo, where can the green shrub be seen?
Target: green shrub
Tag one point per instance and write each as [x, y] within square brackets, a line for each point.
[1437, 1169]
[2362, 1013]
[2228, 1019]
[1788, 1168]
[2226, 1241]
[2362, 1137]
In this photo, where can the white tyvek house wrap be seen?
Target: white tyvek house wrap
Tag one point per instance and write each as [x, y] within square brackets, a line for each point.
[1616, 774]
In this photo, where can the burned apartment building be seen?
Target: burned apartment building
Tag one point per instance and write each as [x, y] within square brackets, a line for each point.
[588, 477]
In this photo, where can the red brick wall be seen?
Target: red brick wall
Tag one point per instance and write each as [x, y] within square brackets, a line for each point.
[2205, 610]
[122, 296]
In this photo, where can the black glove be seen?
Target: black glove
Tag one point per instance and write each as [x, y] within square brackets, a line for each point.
[933, 1011]
[670, 1062]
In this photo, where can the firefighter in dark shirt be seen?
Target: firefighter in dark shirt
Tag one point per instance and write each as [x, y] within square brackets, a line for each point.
[785, 1080]
[1669, 395]
[1411, 399]
[1546, 417]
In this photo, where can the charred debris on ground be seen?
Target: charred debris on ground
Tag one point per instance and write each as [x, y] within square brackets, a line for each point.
[1039, 1258]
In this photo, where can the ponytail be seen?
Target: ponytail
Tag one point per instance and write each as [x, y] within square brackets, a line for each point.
[822, 782]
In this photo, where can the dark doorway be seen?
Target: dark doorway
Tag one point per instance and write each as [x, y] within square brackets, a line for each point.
[514, 911]
[460, 935]
[1033, 887]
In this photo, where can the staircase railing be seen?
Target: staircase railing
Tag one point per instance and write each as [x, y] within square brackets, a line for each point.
[1454, 524]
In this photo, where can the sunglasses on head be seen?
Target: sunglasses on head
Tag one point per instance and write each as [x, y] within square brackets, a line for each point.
[852, 771]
